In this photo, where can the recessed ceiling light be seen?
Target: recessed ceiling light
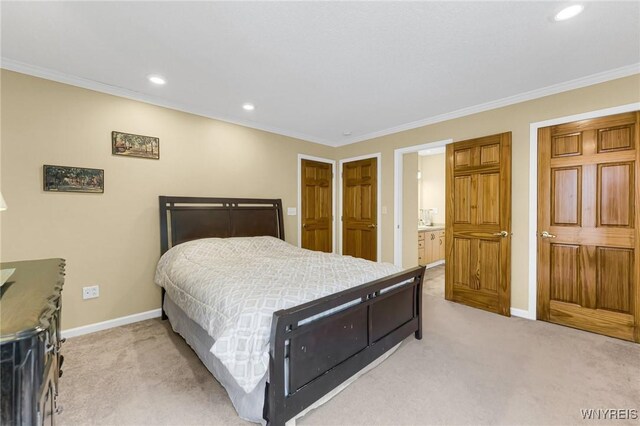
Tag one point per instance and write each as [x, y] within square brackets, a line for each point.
[156, 79]
[248, 107]
[346, 133]
[569, 12]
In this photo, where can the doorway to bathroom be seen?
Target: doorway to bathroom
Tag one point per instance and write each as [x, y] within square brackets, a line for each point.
[431, 218]
[419, 211]
[431, 206]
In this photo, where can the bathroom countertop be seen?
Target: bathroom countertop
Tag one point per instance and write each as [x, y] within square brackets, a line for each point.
[435, 227]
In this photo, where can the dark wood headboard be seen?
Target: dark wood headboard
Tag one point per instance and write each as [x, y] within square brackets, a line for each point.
[184, 219]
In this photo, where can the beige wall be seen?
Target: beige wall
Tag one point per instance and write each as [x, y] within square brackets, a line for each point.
[515, 118]
[112, 239]
[432, 184]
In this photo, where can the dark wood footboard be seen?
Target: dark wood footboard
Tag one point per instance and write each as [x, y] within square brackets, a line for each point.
[323, 353]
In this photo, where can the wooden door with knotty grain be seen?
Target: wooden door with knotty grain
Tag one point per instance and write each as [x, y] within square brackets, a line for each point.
[317, 206]
[478, 224]
[359, 209]
[588, 221]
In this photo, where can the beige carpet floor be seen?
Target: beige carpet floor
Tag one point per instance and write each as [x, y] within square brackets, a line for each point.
[433, 282]
[471, 368]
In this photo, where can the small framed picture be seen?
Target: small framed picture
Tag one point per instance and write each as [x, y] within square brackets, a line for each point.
[130, 145]
[72, 179]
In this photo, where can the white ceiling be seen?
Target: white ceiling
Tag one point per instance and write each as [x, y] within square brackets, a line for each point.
[317, 69]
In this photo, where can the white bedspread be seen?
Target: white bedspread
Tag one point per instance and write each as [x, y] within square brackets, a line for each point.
[232, 286]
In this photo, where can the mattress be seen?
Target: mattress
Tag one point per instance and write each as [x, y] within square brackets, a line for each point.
[231, 287]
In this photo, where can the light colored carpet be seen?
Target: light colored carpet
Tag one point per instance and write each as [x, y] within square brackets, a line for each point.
[433, 282]
[471, 367]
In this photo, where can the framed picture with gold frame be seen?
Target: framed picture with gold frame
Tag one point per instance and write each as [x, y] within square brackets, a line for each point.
[130, 145]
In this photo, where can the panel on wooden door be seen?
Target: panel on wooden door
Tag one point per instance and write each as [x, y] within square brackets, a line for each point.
[359, 215]
[317, 206]
[588, 253]
[478, 225]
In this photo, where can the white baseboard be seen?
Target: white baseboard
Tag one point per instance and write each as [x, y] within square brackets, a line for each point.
[116, 322]
[522, 313]
[436, 263]
[156, 313]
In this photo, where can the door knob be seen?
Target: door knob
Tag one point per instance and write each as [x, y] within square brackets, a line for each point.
[545, 234]
[373, 225]
[503, 234]
[304, 225]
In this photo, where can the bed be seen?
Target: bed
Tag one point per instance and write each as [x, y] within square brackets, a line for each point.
[311, 349]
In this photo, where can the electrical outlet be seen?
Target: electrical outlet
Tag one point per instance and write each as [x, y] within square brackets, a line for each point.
[292, 211]
[90, 292]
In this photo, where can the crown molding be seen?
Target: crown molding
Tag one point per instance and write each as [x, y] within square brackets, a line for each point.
[73, 80]
[48, 74]
[511, 100]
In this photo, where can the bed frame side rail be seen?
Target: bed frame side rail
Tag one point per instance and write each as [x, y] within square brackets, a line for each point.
[321, 354]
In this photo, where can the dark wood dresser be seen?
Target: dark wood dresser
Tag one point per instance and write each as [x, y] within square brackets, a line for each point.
[30, 361]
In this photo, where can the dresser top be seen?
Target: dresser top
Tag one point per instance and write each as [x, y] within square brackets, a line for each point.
[28, 298]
